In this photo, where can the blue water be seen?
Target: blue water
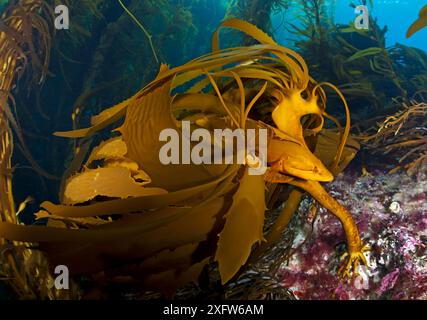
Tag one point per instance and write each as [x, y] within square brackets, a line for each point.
[398, 15]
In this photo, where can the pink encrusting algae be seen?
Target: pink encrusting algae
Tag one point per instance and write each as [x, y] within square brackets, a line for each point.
[391, 213]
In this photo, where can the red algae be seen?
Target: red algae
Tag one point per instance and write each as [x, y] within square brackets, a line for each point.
[391, 213]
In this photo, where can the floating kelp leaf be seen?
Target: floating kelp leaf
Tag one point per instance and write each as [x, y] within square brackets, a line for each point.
[137, 237]
[289, 57]
[365, 53]
[115, 182]
[243, 227]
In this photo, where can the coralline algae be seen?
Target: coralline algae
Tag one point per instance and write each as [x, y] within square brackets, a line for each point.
[391, 213]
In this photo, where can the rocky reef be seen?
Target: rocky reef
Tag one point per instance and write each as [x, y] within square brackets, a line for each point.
[391, 212]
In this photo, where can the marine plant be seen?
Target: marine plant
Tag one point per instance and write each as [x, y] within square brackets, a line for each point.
[403, 137]
[418, 24]
[25, 43]
[255, 11]
[126, 218]
[313, 32]
[358, 61]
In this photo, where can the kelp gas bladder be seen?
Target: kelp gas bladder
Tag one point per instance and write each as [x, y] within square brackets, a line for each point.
[170, 221]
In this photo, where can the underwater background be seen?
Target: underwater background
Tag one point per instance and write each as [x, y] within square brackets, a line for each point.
[105, 57]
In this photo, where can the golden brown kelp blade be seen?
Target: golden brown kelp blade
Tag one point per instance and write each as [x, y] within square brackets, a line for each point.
[419, 24]
[243, 227]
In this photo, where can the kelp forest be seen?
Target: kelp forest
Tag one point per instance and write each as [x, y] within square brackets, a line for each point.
[339, 212]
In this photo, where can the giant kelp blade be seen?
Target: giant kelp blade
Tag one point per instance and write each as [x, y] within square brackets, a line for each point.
[114, 148]
[183, 74]
[145, 121]
[243, 227]
[183, 197]
[115, 182]
[133, 241]
[420, 23]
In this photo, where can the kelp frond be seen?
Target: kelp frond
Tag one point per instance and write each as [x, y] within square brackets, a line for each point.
[25, 42]
[402, 136]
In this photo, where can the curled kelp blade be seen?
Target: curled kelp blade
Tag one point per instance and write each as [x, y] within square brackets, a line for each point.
[114, 176]
[297, 66]
[157, 229]
[184, 74]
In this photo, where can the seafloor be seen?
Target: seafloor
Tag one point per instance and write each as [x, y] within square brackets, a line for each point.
[391, 213]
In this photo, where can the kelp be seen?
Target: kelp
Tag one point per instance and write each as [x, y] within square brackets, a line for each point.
[418, 24]
[255, 11]
[114, 63]
[358, 61]
[24, 51]
[147, 34]
[160, 225]
[402, 136]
